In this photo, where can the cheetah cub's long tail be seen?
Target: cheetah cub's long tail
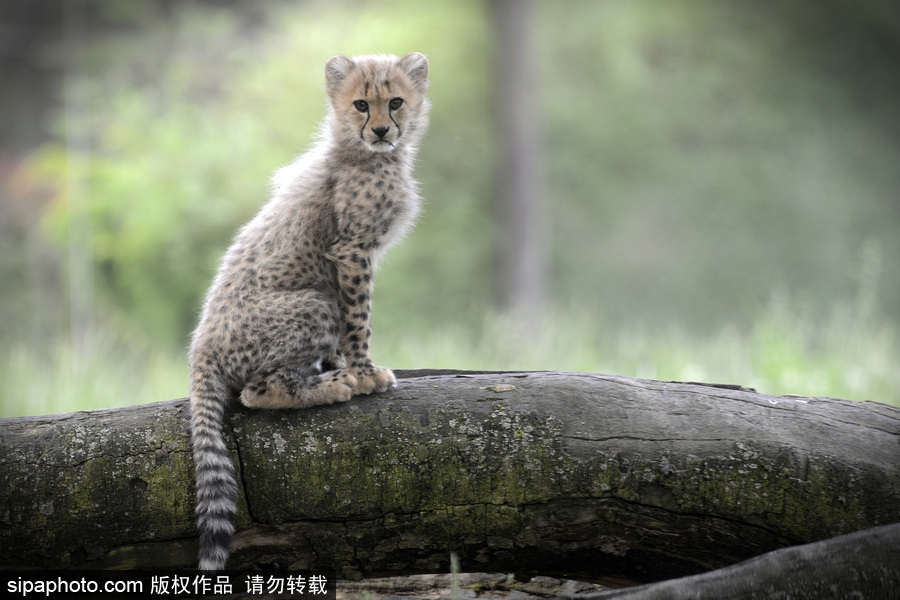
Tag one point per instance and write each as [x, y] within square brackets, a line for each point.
[216, 484]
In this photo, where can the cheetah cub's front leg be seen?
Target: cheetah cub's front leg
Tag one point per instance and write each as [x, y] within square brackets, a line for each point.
[355, 275]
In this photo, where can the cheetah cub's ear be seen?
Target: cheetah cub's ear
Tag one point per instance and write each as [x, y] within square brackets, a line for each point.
[336, 70]
[416, 66]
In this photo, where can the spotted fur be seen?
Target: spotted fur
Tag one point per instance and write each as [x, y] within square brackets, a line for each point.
[285, 323]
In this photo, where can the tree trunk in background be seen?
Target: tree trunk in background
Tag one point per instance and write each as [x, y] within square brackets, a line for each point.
[587, 475]
[520, 269]
[78, 191]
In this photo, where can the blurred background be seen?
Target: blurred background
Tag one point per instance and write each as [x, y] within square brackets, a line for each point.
[670, 189]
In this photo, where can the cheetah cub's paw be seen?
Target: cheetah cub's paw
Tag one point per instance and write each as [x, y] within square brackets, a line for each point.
[374, 379]
[338, 386]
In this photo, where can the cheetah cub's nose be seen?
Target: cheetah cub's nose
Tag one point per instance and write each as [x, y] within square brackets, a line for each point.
[381, 130]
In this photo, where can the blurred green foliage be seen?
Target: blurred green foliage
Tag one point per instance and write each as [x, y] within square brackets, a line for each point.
[702, 160]
[720, 188]
[187, 130]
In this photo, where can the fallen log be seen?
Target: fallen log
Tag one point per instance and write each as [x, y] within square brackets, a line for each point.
[582, 475]
[864, 564]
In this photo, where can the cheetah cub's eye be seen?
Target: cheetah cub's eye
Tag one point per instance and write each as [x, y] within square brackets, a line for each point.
[361, 105]
[395, 103]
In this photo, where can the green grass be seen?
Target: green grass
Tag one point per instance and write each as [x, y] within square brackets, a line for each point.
[846, 355]
[108, 372]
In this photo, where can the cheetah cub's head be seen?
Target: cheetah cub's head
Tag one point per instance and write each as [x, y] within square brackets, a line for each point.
[378, 102]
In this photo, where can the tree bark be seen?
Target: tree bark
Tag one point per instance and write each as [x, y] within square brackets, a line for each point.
[864, 564]
[573, 474]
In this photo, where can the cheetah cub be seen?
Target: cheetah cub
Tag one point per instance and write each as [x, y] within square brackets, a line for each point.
[285, 323]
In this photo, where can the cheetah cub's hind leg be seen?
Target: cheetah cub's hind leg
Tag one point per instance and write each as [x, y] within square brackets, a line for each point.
[289, 387]
[288, 375]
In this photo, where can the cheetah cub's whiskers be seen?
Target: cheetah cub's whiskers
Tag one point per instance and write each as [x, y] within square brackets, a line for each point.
[285, 323]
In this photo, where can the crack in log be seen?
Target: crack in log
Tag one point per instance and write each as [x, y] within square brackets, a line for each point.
[241, 478]
[641, 438]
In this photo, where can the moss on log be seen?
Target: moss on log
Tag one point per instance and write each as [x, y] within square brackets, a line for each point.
[570, 473]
